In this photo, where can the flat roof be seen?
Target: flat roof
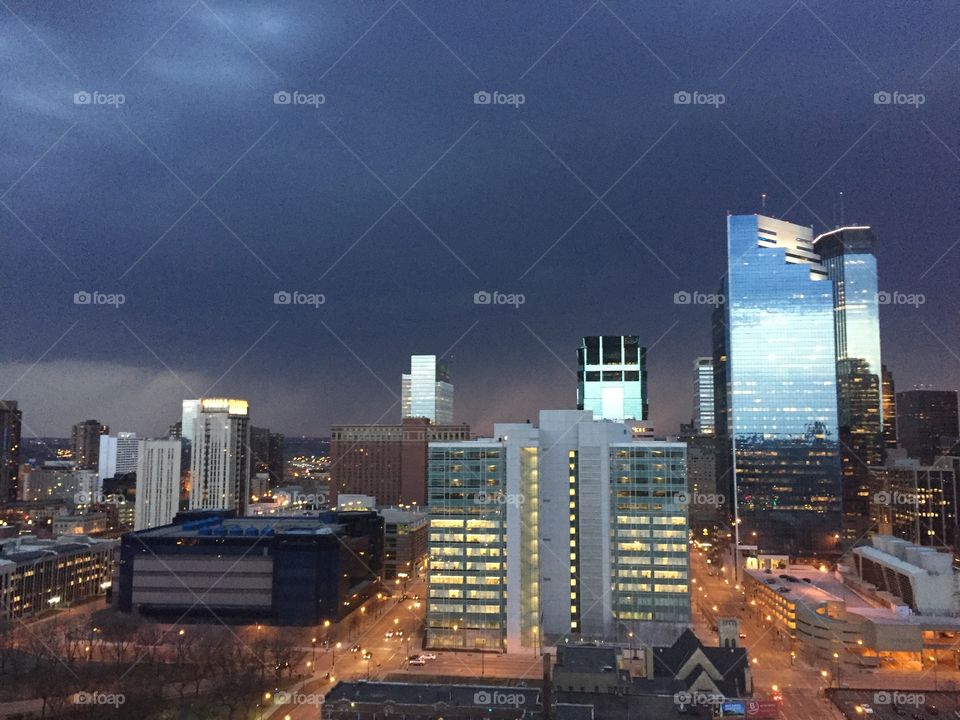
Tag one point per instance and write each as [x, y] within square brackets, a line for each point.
[281, 525]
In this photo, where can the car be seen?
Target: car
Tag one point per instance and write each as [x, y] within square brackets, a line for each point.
[388, 633]
[413, 657]
[429, 656]
[417, 661]
[743, 636]
[399, 633]
[355, 648]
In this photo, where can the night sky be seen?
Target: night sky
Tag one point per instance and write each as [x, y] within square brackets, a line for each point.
[398, 198]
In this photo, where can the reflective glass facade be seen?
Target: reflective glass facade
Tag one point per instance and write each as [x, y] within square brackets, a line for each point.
[849, 256]
[426, 391]
[649, 563]
[466, 591]
[781, 397]
[612, 377]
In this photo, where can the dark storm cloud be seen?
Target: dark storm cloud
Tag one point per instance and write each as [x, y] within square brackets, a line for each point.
[398, 198]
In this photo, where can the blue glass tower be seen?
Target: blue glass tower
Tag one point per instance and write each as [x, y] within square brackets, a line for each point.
[849, 256]
[780, 414]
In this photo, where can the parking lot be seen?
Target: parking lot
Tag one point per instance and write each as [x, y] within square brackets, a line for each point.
[896, 704]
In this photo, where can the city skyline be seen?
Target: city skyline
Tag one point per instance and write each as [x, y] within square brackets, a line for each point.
[495, 214]
[582, 358]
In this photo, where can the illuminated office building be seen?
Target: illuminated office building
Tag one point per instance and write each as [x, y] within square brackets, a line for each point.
[927, 423]
[849, 255]
[426, 391]
[573, 510]
[118, 454]
[85, 441]
[220, 458]
[777, 410]
[889, 409]
[10, 424]
[612, 377]
[703, 412]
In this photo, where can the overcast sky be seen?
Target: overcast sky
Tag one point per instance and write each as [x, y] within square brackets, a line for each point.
[198, 197]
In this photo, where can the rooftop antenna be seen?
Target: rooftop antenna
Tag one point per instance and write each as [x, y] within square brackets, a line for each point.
[841, 208]
[763, 202]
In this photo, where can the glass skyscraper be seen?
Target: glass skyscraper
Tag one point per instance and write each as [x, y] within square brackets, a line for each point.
[780, 415]
[849, 256]
[703, 414]
[426, 391]
[612, 377]
[467, 598]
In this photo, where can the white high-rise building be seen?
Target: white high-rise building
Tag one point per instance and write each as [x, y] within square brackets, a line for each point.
[427, 391]
[220, 456]
[118, 454]
[570, 530]
[703, 413]
[191, 408]
[158, 483]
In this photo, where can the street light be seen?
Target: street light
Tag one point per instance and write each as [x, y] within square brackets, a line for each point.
[314, 643]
